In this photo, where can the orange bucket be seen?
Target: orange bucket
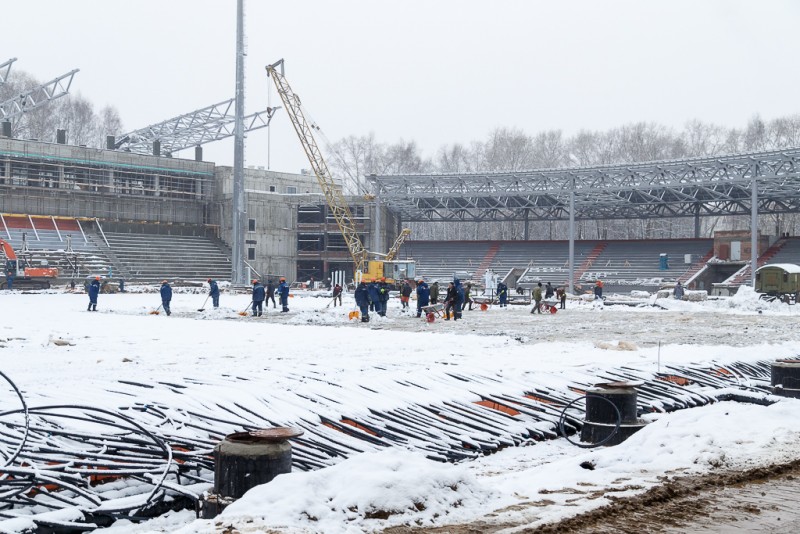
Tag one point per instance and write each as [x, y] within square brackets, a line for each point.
[484, 307]
[353, 315]
[430, 317]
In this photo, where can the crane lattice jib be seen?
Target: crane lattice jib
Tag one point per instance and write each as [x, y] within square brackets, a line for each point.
[397, 244]
[333, 194]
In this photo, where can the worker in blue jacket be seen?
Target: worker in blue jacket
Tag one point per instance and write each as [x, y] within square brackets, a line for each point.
[374, 296]
[259, 293]
[502, 294]
[423, 296]
[166, 296]
[362, 300]
[94, 290]
[459, 303]
[214, 292]
[383, 296]
[283, 293]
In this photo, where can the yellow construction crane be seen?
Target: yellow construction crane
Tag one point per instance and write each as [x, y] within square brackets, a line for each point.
[374, 269]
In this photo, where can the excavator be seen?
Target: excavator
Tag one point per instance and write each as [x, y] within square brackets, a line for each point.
[22, 273]
[383, 265]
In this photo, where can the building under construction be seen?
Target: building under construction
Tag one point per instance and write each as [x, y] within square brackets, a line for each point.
[146, 217]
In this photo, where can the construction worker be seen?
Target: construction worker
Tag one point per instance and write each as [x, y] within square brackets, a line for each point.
[548, 291]
[374, 296]
[10, 279]
[561, 293]
[405, 295]
[362, 300]
[258, 298]
[435, 292]
[166, 296]
[94, 290]
[537, 299]
[121, 285]
[271, 293]
[598, 290]
[213, 292]
[383, 296]
[337, 295]
[459, 302]
[423, 296]
[450, 300]
[678, 291]
[467, 297]
[283, 293]
[502, 294]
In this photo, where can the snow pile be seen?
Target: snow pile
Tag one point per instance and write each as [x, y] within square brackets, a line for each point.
[525, 485]
[365, 493]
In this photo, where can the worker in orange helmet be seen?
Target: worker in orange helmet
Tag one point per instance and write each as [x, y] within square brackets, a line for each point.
[598, 290]
[283, 293]
[166, 296]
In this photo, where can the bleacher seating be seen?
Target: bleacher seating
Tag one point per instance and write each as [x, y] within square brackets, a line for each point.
[439, 260]
[638, 263]
[632, 264]
[87, 257]
[152, 257]
[544, 261]
[788, 253]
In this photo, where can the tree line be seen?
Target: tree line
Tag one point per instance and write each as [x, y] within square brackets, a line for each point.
[73, 113]
[504, 149]
[512, 149]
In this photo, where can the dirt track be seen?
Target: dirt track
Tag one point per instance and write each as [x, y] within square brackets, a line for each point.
[759, 500]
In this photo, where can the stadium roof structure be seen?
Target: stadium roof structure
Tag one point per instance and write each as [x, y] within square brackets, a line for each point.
[680, 188]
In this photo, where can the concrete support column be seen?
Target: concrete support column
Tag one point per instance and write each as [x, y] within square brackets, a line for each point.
[526, 230]
[7, 171]
[697, 221]
[571, 287]
[754, 228]
[110, 181]
[376, 238]
[156, 185]
[61, 177]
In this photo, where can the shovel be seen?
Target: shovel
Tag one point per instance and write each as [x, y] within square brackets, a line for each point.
[156, 312]
[243, 313]
[203, 307]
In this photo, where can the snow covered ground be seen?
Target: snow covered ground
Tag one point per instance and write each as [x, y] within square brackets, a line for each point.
[56, 352]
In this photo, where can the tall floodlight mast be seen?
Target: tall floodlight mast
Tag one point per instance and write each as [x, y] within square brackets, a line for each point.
[237, 230]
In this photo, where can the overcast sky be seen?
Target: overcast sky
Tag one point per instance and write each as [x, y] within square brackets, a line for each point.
[437, 72]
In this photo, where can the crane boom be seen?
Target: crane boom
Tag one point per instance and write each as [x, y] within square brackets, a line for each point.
[333, 194]
[397, 244]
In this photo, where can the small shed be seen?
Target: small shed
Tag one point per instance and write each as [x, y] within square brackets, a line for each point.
[778, 279]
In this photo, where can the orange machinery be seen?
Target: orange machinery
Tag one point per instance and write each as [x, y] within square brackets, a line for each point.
[25, 275]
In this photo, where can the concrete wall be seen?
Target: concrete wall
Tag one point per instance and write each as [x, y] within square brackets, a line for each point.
[52, 179]
[274, 241]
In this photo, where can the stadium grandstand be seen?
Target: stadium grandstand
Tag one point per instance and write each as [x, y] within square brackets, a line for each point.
[145, 217]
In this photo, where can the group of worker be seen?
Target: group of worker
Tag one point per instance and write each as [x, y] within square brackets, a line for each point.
[455, 300]
[372, 295]
[261, 293]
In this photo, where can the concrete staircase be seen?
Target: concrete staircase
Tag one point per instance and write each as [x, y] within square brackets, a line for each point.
[487, 260]
[589, 261]
[744, 275]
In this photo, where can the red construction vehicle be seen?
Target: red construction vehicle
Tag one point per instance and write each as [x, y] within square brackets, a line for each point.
[22, 273]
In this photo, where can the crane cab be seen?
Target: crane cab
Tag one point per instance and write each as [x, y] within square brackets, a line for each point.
[394, 271]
